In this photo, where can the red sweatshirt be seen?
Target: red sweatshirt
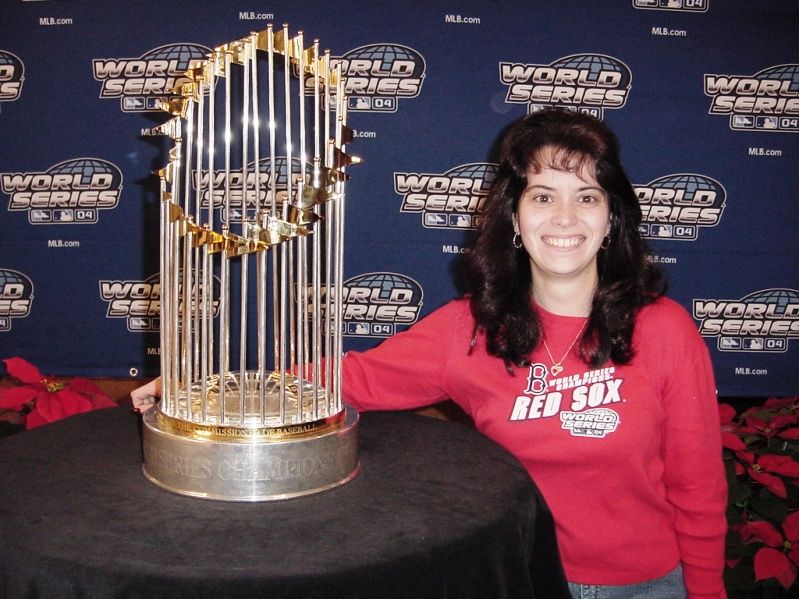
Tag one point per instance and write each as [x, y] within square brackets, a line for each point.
[627, 457]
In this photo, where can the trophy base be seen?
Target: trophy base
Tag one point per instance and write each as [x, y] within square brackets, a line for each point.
[263, 471]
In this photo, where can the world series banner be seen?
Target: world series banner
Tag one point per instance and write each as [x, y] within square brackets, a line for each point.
[703, 94]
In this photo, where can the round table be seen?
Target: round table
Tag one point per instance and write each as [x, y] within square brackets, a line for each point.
[437, 511]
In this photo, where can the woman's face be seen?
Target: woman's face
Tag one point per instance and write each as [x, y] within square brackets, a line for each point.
[562, 217]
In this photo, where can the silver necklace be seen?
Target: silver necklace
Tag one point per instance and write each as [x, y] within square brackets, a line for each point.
[557, 367]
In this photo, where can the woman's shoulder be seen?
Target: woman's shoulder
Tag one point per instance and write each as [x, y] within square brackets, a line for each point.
[453, 313]
[457, 306]
[666, 319]
[665, 310]
[457, 312]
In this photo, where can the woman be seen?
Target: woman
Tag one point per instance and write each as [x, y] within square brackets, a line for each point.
[567, 354]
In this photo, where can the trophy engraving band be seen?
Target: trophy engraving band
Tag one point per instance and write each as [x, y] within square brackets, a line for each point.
[232, 434]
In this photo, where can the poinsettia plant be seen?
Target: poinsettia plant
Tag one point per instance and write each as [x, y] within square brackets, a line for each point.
[37, 400]
[761, 454]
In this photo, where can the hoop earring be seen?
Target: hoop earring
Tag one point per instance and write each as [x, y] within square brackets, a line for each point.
[517, 241]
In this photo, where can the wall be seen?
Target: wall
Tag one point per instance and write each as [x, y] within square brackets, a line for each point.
[704, 95]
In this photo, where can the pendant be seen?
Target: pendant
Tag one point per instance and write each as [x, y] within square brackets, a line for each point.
[556, 369]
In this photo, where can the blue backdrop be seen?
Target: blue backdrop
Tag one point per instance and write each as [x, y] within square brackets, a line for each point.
[704, 95]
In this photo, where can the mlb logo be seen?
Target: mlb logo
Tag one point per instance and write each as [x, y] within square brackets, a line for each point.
[767, 122]
[139, 324]
[358, 328]
[133, 104]
[753, 344]
[235, 216]
[460, 221]
[729, 343]
[431, 219]
[663, 231]
[359, 103]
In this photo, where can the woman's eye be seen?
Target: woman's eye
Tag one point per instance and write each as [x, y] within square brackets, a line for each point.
[543, 198]
[588, 200]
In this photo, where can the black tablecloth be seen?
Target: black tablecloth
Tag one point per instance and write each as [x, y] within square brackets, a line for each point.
[437, 511]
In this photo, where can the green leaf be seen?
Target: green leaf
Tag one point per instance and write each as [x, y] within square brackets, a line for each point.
[740, 579]
[733, 545]
[738, 491]
[769, 506]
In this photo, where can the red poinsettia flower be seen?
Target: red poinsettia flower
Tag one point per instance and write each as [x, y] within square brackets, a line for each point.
[773, 425]
[729, 428]
[788, 425]
[763, 443]
[776, 403]
[46, 400]
[780, 557]
[763, 468]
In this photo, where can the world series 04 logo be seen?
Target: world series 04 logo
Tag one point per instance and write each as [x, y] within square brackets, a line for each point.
[16, 297]
[139, 301]
[677, 206]
[378, 76]
[71, 192]
[247, 188]
[585, 82]
[762, 321]
[450, 200]
[765, 101]
[141, 83]
[375, 304]
[12, 74]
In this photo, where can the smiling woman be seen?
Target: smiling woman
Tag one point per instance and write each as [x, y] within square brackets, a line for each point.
[559, 355]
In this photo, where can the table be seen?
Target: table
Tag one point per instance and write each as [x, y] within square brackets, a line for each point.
[437, 511]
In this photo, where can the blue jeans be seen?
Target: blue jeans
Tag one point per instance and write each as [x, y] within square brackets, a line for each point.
[670, 586]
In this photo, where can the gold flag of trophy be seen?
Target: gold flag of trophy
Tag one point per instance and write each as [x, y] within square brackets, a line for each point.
[251, 273]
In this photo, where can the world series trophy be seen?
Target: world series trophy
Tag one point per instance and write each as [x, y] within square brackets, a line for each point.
[251, 268]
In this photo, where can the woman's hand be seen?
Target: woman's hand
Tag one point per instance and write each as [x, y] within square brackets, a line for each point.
[146, 396]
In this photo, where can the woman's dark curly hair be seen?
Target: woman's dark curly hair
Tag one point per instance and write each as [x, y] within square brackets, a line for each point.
[499, 274]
